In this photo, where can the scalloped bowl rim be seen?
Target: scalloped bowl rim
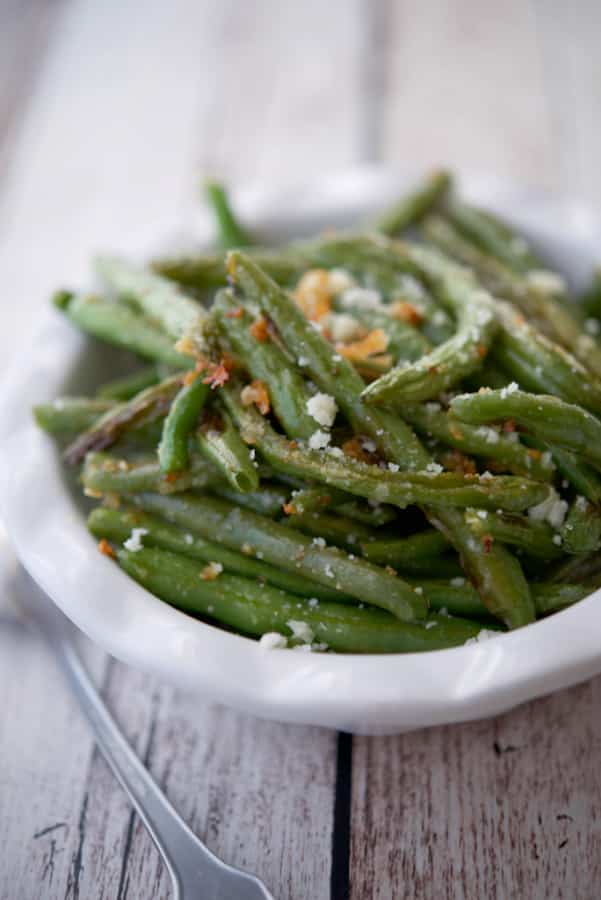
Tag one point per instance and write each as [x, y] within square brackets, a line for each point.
[372, 694]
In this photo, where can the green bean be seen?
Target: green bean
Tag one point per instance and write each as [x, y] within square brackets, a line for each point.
[259, 609]
[581, 531]
[530, 292]
[69, 415]
[337, 530]
[128, 386]
[288, 549]
[179, 423]
[119, 325]
[492, 236]
[539, 364]
[457, 357]
[493, 570]
[103, 473]
[583, 477]
[312, 499]
[414, 205]
[430, 419]
[550, 598]
[463, 600]
[550, 419]
[178, 315]
[117, 526]
[403, 553]
[332, 373]
[318, 497]
[576, 569]
[268, 500]
[267, 362]
[535, 538]
[384, 485]
[375, 514]
[148, 405]
[219, 441]
[207, 271]
[230, 231]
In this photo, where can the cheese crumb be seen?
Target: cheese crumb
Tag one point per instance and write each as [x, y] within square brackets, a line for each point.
[458, 581]
[343, 327]
[434, 467]
[322, 408]
[189, 539]
[134, 541]
[273, 641]
[489, 434]
[340, 280]
[393, 467]
[552, 510]
[319, 440]
[301, 631]
[361, 298]
[484, 635]
[319, 542]
[510, 389]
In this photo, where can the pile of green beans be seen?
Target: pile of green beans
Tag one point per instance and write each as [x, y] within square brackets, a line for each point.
[380, 440]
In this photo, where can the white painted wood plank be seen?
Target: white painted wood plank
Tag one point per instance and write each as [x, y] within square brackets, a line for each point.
[569, 37]
[25, 31]
[496, 809]
[465, 89]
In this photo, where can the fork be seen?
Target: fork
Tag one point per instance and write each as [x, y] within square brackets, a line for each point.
[196, 873]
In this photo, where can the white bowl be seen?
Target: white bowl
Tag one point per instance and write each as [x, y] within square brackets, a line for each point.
[384, 694]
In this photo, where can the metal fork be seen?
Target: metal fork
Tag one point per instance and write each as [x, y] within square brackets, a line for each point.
[196, 873]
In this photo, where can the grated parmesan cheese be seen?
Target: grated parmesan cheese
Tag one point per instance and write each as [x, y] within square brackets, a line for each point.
[343, 327]
[361, 298]
[301, 631]
[510, 389]
[484, 635]
[322, 408]
[134, 541]
[271, 640]
[319, 440]
[552, 510]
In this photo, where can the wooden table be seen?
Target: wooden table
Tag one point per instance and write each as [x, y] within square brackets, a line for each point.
[109, 113]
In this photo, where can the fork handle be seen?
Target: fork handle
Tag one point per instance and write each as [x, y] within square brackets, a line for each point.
[194, 870]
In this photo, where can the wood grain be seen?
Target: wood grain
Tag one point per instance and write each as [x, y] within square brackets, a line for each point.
[26, 29]
[465, 89]
[499, 809]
